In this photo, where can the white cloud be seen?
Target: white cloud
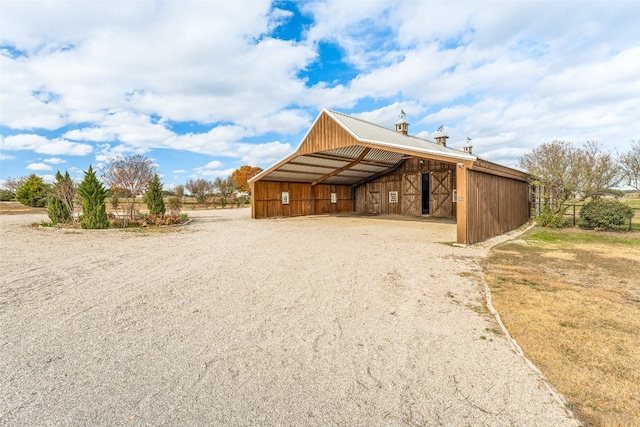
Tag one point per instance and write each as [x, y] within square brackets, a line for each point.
[179, 171]
[492, 73]
[39, 167]
[43, 145]
[54, 160]
[222, 173]
[263, 154]
[6, 157]
[212, 164]
[389, 115]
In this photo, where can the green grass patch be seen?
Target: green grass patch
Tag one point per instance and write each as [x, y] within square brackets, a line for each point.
[548, 235]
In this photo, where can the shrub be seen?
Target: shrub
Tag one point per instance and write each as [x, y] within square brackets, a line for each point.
[6, 195]
[60, 205]
[57, 211]
[93, 193]
[175, 204]
[547, 218]
[33, 192]
[605, 214]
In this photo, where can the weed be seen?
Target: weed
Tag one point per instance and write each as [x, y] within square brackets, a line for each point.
[477, 308]
[567, 325]
[482, 337]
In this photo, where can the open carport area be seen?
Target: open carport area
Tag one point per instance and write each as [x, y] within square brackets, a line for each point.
[313, 320]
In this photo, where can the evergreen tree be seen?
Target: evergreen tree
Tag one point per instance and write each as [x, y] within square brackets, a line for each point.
[93, 193]
[155, 203]
[33, 192]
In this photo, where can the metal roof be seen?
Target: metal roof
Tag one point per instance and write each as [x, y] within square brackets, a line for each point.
[318, 166]
[372, 133]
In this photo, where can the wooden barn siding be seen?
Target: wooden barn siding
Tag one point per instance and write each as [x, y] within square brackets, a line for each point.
[326, 135]
[495, 205]
[267, 199]
[373, 197]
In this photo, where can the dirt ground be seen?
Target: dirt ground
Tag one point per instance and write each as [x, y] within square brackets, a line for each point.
[309, 321]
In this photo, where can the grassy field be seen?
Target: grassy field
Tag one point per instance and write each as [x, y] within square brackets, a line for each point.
[571, 298]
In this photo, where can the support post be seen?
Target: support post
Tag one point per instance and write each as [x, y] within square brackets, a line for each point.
[461, 209]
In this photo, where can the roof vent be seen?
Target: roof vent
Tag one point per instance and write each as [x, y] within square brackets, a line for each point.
[441, 138]
[468, 148]
[402, 126]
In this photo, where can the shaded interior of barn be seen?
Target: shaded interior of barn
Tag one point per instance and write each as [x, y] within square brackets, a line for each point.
[396, 184]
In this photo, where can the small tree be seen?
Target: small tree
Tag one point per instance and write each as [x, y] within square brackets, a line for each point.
[597, 170]
[242, 175]
[226, 187]
[132, 174]
[155, 203]
[33, 192]
[630, 165]
[61, 196]
[200, 188]
[555, 173]
[93, 193]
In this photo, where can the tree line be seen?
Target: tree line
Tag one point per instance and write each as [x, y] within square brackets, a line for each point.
[125, 177]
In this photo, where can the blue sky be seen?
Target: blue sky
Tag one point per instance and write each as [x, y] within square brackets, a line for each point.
[203, 87]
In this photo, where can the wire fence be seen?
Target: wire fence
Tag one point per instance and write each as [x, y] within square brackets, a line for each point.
[572, 211]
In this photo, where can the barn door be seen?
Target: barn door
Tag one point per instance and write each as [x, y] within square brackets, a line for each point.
[373, 202]
[441, 203]
[411, 194]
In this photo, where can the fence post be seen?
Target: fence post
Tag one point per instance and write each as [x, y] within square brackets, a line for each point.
[574, 215]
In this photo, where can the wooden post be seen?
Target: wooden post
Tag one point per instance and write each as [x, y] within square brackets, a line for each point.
[253, 200]
[461, 209]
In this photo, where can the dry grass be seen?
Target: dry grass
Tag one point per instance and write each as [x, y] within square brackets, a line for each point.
[572, 301]
[16, 208]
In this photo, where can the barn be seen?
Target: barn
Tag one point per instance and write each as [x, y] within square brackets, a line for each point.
[348, 165]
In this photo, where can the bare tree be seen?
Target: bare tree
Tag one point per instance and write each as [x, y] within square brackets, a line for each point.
[179, 191]
[132, 174]
[14, 183]
[554, 168]
[598, 170]
[630, 165]
[200, 188]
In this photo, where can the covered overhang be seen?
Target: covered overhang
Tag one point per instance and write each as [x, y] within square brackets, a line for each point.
[352, 165]
[344, 150]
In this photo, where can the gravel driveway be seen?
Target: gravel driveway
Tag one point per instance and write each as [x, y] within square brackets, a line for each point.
[312, 321]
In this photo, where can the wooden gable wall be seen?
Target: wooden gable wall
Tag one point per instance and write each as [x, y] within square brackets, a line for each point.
[325, 135]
